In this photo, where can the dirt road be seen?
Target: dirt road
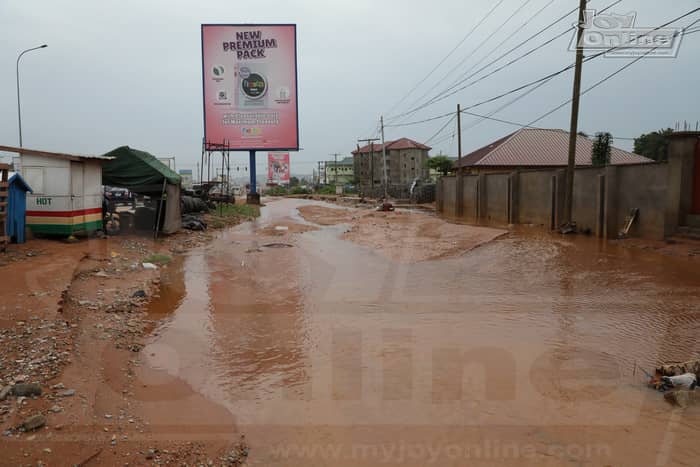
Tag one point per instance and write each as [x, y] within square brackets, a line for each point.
[335, 336]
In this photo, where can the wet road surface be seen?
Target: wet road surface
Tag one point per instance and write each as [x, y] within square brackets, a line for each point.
[520, 352]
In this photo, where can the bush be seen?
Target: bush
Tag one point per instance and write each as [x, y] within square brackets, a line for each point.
[326, 190]
[277, 191]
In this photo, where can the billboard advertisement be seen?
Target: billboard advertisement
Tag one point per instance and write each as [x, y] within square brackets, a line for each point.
[278, 168]
[249, 75]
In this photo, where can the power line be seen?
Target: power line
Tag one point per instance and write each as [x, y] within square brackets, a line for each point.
[568, 67]
[558, 20]
[563, 104]
[445, 93]
[441, 129]
[437, 117]
[510, 36]
[515, 60]
[478, 47]
[459, 44]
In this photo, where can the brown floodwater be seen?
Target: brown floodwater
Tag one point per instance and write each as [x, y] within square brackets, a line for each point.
[523, 351]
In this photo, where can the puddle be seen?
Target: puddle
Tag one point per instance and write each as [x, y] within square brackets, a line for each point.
[529, 341]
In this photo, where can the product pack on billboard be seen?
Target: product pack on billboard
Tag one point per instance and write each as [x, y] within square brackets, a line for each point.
[250, 86]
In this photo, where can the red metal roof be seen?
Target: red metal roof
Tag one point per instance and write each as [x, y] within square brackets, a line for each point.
[402, 143]
[534, 147]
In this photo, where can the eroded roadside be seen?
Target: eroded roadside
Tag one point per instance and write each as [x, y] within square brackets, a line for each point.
[72, 327]
[403, 235]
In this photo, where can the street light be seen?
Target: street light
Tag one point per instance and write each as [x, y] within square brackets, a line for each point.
[19, 111]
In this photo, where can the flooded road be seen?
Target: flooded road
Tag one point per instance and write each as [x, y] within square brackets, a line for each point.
[519, 352]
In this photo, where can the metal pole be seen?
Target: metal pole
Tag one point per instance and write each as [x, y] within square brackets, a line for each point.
[386, 180]
[573, 130]
[252, 172]
[19, 108]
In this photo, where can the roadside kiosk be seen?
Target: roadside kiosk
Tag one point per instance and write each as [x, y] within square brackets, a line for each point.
[67, 191]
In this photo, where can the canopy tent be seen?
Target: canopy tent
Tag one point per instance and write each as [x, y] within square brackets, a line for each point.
[140, 172]
[137, 171]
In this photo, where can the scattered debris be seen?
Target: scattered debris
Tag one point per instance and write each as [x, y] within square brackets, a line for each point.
[26, 390]
[629, 220]
[281, 227]
[66, 393]
[686, 380]
[677, 368]
[33, 423]
[192, 222]
[149, 266]
[277, 245]
[385, 207]
[4, 392]
[139, 294]
[568, 228]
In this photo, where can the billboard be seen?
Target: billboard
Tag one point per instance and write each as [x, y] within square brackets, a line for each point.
[278, 168]
[249, 81]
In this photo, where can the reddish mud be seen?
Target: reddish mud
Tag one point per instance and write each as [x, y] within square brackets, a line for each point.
[520, 352]
[72, 321]
[403, 235]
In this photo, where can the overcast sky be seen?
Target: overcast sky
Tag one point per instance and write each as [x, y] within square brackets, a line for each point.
[129, 72]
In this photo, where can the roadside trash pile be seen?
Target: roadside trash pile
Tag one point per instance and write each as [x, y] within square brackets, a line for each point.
[193, 222]
[678, 382]
[386, 206]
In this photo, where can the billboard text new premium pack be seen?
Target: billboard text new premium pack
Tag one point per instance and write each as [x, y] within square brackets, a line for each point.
[249, 75]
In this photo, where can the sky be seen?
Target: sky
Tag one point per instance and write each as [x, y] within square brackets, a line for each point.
[129, 72]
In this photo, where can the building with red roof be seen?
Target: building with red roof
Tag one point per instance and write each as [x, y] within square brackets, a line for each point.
[530, 148]
[405, 159]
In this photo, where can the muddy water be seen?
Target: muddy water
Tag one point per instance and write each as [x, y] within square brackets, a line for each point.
[521, 352]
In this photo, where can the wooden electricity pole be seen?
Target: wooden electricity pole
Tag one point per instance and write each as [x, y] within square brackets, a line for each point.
[460, 194]
[573, 130]
[386, 181]
[370, 141]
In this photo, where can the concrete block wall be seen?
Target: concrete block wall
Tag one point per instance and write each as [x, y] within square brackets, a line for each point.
[587, 206]
[603, 197]
[470, 187]
[534, 197]
[497, 194]
[644, 187]
[449, 196]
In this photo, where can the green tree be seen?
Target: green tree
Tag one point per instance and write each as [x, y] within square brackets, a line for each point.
[653, 145]
[600, 152]
[441, 164]
[293, 181]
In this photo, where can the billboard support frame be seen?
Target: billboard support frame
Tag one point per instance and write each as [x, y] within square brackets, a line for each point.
[209, 148]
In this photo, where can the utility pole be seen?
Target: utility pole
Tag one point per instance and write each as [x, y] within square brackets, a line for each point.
[573, 130]
[370, 141]
[460, 194]
[335, 167]
[386, 181]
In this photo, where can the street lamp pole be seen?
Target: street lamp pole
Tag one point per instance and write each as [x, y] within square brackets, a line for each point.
[19, 110]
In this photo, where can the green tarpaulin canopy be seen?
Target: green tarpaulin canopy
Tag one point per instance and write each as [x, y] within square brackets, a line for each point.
[137, 171]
